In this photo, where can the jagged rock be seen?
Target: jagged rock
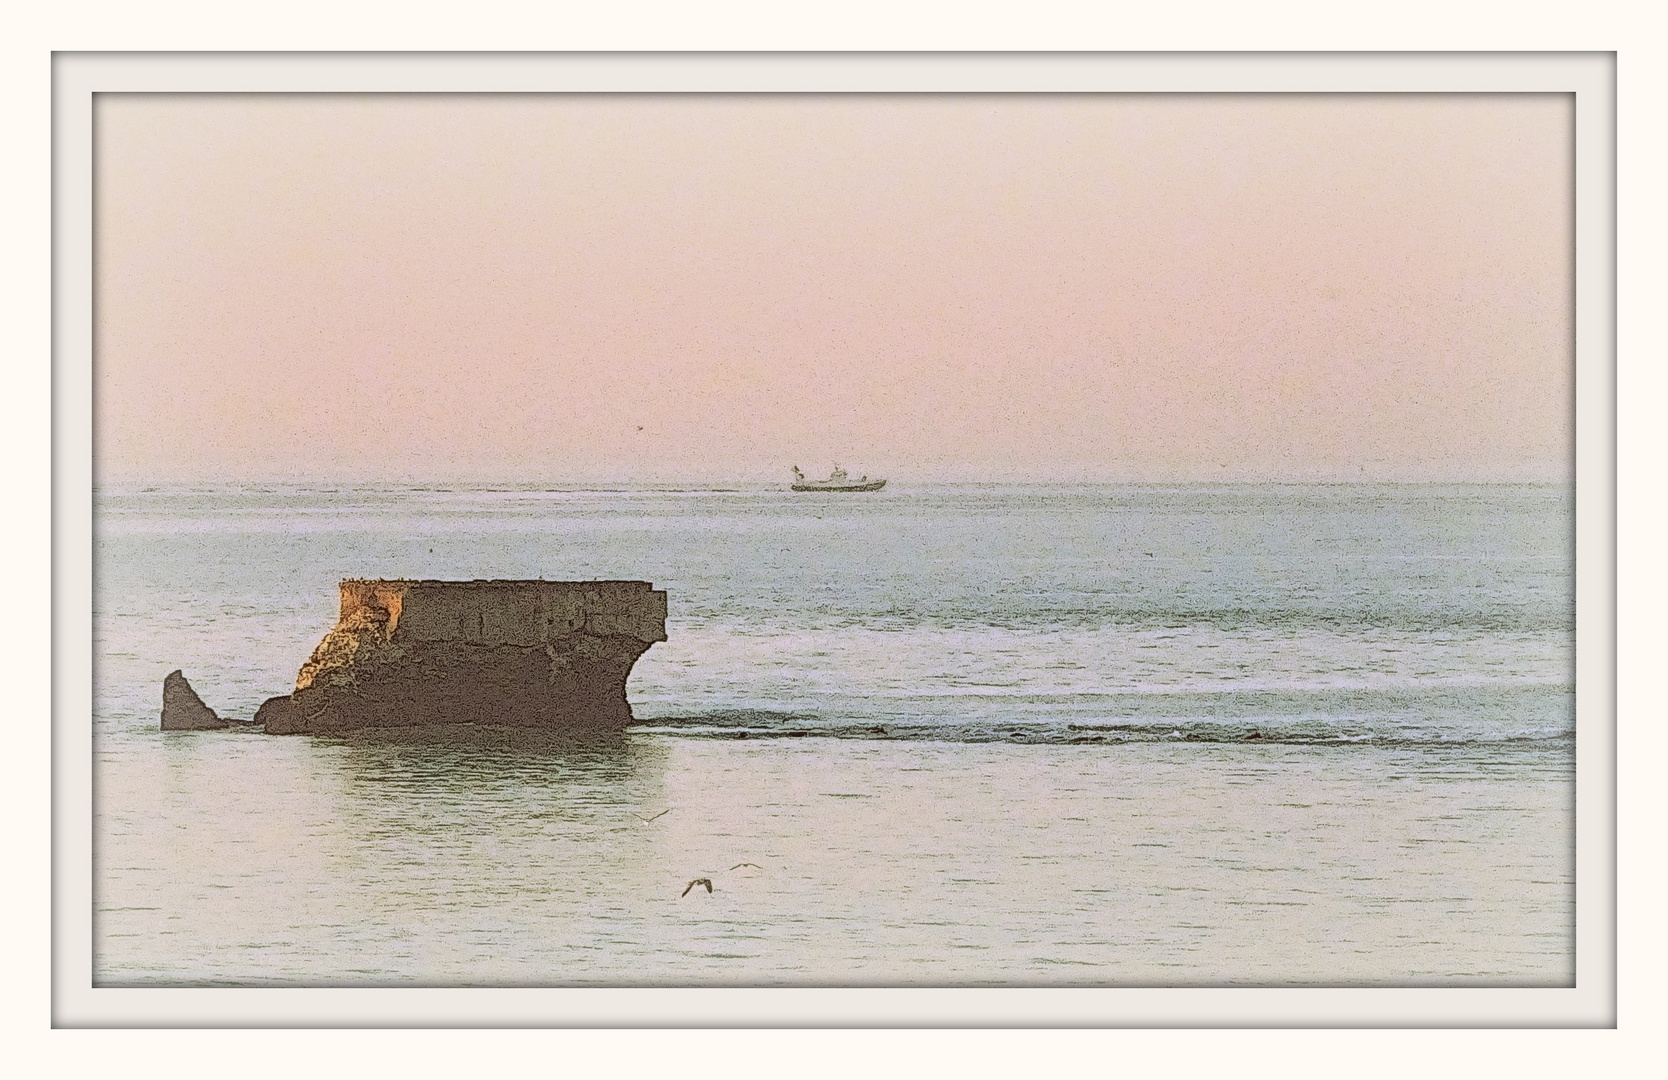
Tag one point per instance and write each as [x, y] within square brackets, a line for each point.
[548, 654]
[183, 710]
[279, 716]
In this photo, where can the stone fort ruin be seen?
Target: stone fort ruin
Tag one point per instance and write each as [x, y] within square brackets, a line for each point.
[405, 653]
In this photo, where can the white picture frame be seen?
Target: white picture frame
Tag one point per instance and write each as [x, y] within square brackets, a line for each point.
[1590, 77]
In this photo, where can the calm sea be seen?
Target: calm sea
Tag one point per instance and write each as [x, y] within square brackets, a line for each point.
[964, 735]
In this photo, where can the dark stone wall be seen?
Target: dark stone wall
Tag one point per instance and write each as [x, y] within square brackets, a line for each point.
[510, 653]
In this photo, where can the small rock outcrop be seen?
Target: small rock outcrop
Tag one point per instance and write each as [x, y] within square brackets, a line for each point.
[183, 710]
[547, 654]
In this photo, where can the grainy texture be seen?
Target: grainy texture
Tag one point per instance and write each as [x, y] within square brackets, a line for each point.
[516, 653]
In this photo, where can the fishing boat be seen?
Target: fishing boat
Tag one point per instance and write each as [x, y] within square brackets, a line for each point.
[838, 480]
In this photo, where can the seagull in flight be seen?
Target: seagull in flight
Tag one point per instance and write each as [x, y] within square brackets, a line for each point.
[739, 865]
[646, 820]
[698, 881]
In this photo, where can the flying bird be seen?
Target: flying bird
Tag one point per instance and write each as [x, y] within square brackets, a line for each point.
[646, 820]
[739, 865]
[698, 881]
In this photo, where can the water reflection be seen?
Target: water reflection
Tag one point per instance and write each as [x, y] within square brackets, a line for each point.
[489, 859]
[352, 860]
[477, 741]
[492, 766]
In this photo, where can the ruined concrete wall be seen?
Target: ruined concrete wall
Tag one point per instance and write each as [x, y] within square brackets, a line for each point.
[526, 653]
[525, 613]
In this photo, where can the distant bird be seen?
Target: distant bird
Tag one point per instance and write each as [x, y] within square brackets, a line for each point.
[646, 820]
[639, 427]
[739, 865]
[698, 881]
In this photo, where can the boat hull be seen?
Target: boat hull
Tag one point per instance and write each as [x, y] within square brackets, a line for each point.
[872, 485]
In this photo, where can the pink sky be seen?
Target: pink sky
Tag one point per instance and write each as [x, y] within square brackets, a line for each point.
[569, 288]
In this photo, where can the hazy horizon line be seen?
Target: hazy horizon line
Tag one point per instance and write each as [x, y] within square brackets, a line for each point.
[753, 481]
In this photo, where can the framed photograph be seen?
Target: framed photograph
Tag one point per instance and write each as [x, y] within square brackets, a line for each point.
[835, 539]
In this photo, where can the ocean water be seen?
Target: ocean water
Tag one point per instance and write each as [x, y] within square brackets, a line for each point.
[949, 735]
